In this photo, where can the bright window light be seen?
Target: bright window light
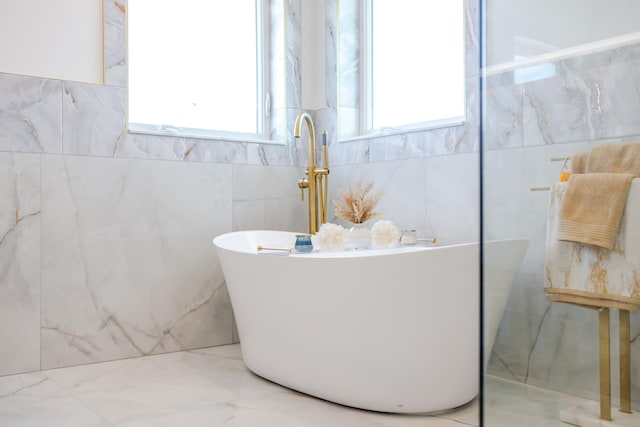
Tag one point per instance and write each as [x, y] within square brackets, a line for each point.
[414, 58]
[195, 67]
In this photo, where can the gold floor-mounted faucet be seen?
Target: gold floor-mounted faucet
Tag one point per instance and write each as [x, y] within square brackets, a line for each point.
[315, 177]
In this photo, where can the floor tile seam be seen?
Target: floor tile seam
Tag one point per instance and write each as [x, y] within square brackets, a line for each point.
[161, 415]
[213, 356]
[457, 420]
[257, 395]
[538, 388]
[103, 418]
[429, 419]
[213, 404]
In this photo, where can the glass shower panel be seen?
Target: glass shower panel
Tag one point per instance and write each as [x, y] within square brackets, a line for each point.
[558, 78]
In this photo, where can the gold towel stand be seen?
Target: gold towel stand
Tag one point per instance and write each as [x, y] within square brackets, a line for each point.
[605, 357]
[605, 364]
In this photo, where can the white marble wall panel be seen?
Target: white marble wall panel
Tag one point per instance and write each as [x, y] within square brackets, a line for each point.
[115, 68]
[268, 198]
[452, 198]
[325, 119]
[504, 126]
[561, 109]
[272, 154]
[19, 263]
[582, 98]
[618, 98]
[94, 119]
[128, 264]
[30, 114]
[331, 48]
[472, 37]
[293, 53]
[403, 183]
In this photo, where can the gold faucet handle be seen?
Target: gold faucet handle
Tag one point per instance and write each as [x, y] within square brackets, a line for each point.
[302, 184]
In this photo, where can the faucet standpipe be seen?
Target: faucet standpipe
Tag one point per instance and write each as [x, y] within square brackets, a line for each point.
[313, 181]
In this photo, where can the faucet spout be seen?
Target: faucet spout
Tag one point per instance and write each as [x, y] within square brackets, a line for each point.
[314, 180]
[312, 135]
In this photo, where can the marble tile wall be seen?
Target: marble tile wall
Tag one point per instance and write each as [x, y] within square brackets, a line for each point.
[531, 117]
[20, 225]
[128, 267]
[105, 236]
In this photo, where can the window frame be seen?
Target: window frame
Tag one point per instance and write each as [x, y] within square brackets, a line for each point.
[263, 95]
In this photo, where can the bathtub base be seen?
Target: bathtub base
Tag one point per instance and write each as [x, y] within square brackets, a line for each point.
[376, 408]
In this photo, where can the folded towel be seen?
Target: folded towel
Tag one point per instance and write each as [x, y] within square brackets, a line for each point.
[592, 208]
[597, 192]
[614, 158]
[590, 275]
[579, 162]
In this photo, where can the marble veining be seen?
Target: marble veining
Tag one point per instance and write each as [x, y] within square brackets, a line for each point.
[293, 53]
[94, 119]
[30, 114]
[115, 68]
[20, 219]
[583, 98]
[156, 238]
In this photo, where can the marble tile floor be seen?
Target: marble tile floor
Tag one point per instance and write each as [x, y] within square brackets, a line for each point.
[513, 404]
[208, 387]
[212, 387]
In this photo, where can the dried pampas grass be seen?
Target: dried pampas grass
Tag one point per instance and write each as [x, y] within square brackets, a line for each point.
[356, 204]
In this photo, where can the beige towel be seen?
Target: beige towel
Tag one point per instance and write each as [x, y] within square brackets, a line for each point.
[597, 192]
[579, 162]
[614, 158]
[592, 208]
[590, 275]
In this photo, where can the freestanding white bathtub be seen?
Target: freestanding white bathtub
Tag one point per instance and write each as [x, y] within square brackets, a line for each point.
[387, 330]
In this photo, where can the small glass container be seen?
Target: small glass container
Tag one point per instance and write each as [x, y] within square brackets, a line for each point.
[303, 243]
[408, 238]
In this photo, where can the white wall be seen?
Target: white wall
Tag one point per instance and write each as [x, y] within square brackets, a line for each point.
[59, 39]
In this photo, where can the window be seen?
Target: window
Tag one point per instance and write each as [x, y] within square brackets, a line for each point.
[199, 68]
[413, 57]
